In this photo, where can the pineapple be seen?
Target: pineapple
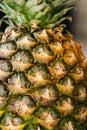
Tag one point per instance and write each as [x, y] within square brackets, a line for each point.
[43, 82]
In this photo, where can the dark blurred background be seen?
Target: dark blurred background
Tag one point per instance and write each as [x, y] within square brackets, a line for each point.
[78, 27]
[3, 26]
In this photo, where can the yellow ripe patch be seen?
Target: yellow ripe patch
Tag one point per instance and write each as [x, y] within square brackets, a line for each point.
[43, 57]
[57, 49]
[37, 79]
[78, 74]
[70, 58]
[43, 37]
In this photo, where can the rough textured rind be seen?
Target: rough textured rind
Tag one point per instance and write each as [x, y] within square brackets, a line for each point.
[38, 83]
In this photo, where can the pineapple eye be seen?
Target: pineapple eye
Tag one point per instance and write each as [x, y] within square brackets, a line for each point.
[42, 37]
[48, 117]
[7, 50]
[42, 54]
[22, 56]
[18, 83]
[24, 106]
[10, 34]
[77, 73]
[80, 112]
[80, 93]
[57, 48]
[66, 86]
[22, 61]
[17, 78]
[67, 124]
[46, 95]
[65, 105]
[70, 58]
[38, 76]
[57, 69]
[11, 121]
[25, 42]
[56, 64]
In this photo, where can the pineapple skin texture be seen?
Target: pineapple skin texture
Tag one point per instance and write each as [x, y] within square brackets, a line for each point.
[42, 81]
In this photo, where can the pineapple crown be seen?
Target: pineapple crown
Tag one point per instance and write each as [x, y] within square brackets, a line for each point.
[35, 13]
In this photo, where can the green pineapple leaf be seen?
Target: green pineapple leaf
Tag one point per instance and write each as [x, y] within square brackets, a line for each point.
[36, 13]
